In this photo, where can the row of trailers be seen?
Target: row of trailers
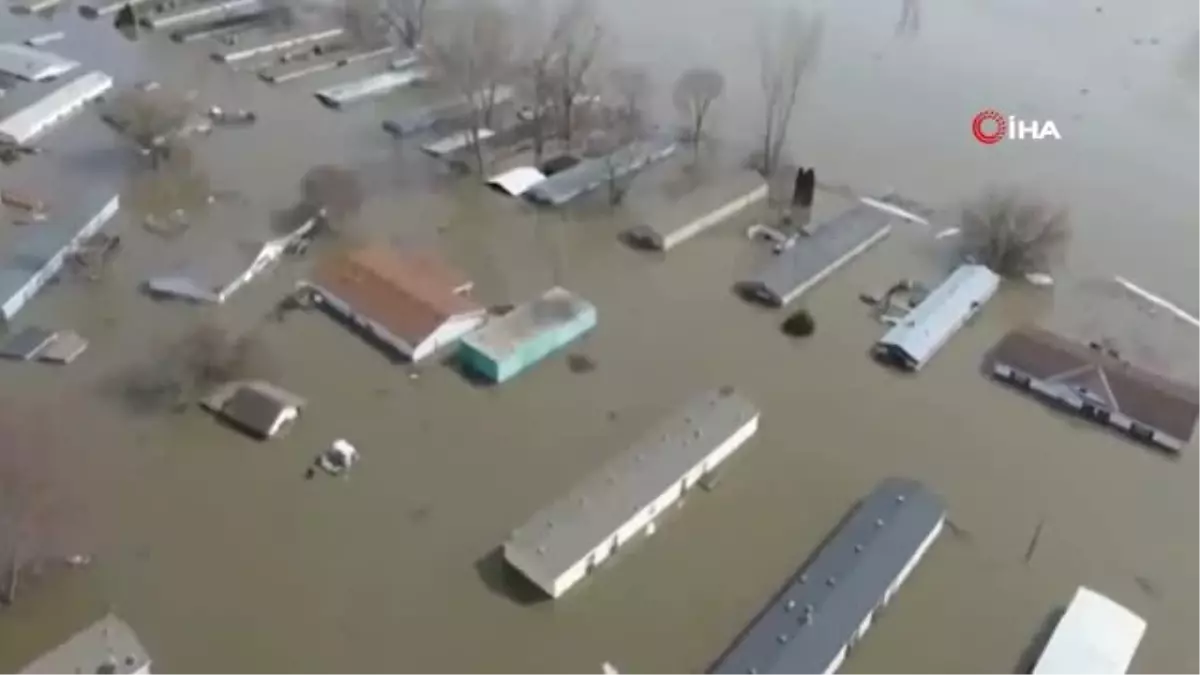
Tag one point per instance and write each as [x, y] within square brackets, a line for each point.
[828, 605]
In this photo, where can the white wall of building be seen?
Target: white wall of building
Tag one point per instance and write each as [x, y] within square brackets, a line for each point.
[1069, 397]
[645, 516]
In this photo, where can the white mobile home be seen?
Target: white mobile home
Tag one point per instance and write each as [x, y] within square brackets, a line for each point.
[567, 540]
[34, 65]
[1094, 635]
[23, 125]
[107, 646]
[913, 341]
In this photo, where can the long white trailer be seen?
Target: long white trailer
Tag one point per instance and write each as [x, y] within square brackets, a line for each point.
[21, 126]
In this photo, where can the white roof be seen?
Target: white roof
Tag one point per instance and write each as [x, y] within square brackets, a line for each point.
[32, 64]
[1095, 635]
[35, 118]
[516, 181]
[455, 141]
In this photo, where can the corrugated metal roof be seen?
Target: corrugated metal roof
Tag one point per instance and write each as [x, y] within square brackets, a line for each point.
[832, 244]
[560, 535]
[38, 245]
[499, 337]
[421, 119]
[34, 65]
[590, 174]
[109, 645]
[918, 336]
[821, 608]
[1095, 635]
[374, 85]
[455, 141]
[31, 120]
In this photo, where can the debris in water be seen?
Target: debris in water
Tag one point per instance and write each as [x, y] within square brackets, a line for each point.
[957, 531]
[1039, 279]
[894, 210]
[580, 363]
[1033, 543]
[1148, 587]
[948, 232]
[1157, 300]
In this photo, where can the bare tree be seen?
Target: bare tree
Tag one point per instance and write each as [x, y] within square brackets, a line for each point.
[408, 19]
[695, 92]
[475, 54]
[543, 36]
[43, 517]
[579, 43]
[1013, 233]
[156, 120]
[206, 356]
[618, 124]
[788, 44]
[910, 17]
[335, 189]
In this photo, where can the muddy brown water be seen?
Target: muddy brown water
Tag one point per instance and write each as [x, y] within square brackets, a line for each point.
[225, 559]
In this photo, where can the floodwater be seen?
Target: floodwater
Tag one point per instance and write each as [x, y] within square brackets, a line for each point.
[225, 559]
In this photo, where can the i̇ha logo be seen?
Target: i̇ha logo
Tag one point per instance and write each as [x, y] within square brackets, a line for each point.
[990, 127]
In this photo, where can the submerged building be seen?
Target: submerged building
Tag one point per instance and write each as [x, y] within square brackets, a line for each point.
[510, 344]
[1098, 385]
[918, 335]
[1095, 635]
[412, 301]
[830, 246]
[41, 251]
[823, 611]
[707, 207]
[373, 86]
[568, 539]
[591, 173]
[21, 126]
[107, 646]
[33, 65]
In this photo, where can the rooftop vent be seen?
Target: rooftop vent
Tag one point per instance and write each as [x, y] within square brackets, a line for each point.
[879, 522]
[803, 578]
[541, 550]
[783, 638]
[900, 498]
[858, 548]
[831, 581]
[791, 604]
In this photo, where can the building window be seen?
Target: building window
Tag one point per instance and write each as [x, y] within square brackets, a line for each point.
[1140, 432]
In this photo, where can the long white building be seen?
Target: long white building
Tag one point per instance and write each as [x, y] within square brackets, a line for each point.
[28, 122]
[34, 65]
[567, 540]
[1095, 635]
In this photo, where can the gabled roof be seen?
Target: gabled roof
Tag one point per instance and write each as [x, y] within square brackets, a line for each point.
[254, 410]
[1144, 396]
[411, 293]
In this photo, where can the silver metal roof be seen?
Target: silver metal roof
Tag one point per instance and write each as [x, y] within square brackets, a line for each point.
[560, 535]
[421, 119]
[675, 218]
[35, 118]
[918, 336]
[374, 85]
[804, 627]
[279, 42]
[500, 336]
[109, 645]
[590, 174]
[832, 244]
[34, 65]
[200, 13]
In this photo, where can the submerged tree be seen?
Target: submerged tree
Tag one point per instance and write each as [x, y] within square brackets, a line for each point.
[408, 19]
[695, 92]
[618, 124]
[1013, 233]
[788, 45]
[475, 55]
[43, 516]
[335, 189]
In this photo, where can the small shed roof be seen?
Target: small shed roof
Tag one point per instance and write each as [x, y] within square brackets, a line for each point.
[1142, 395]
[107, 646]
[589, 174]
[516, 182]
[26, 344]
[454, 142]
[255, 410]
[411, 293]
[1095, 635]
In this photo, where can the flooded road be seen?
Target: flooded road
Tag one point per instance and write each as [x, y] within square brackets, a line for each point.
[224, 559]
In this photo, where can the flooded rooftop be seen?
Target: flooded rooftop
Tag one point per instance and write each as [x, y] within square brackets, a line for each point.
[223, 558]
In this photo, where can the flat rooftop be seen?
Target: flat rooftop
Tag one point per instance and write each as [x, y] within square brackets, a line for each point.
[559, 535]
[501, 336]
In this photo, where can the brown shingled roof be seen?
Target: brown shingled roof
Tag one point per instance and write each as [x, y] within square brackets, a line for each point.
[1143, 396]
[411, 293]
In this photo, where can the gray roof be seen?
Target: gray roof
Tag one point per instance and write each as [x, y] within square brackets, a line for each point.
[37, 246]
[421, 119]
[673, 218]
[26, 344]
[37, 117]
[32, 64]
[917, 337]
[561, 534]
[842, 584]
[591, 173]
[833, 244]
[255, 410]
[108, 642]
